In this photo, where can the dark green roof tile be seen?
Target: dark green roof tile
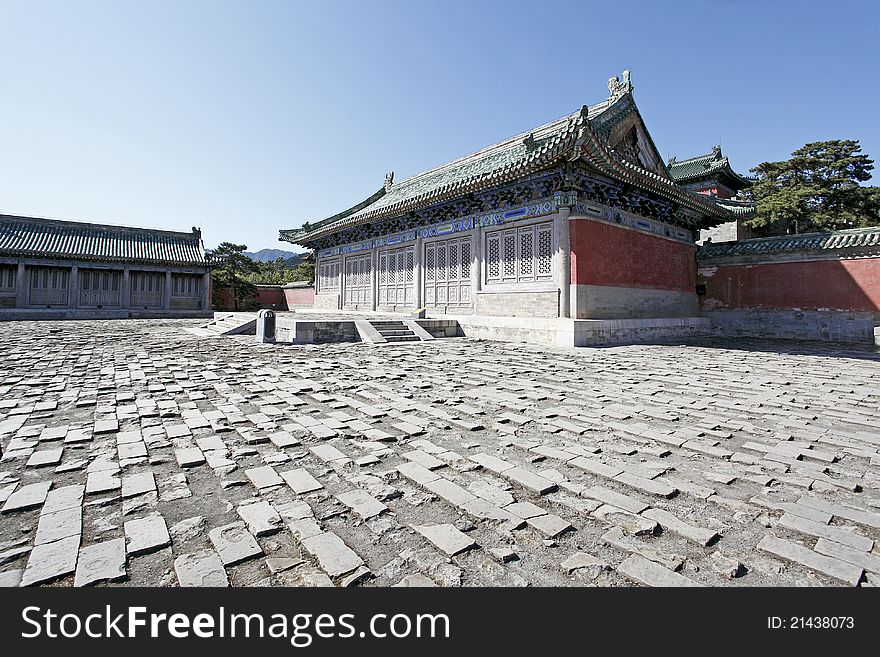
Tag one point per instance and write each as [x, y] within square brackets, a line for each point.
[508, 160]
[855, 238]
[712, 163]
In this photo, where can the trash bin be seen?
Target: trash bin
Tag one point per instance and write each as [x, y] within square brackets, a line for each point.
[266, 326]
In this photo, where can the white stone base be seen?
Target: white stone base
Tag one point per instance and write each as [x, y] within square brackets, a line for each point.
[18, 314]
[562, 332]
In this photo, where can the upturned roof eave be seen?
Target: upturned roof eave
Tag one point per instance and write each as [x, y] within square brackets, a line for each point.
[560, 148]
[725, 169]
[85, 257]
[639, 177]
[549, 153]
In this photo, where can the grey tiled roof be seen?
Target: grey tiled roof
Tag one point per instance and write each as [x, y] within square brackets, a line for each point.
[73, 240]
[508, 160]
[840, 239]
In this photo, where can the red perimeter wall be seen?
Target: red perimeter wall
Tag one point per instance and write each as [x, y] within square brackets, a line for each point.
[267, 297]
[602, 254]
[832, 284]
[299, 296]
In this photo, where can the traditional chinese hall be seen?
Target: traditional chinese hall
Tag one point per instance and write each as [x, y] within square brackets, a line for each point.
[571, 233]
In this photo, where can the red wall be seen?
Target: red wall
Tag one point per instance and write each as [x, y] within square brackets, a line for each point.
[718, 190]
[268, 297]
[271, 297]
[834, 284]
[299, 296]
[602, 254]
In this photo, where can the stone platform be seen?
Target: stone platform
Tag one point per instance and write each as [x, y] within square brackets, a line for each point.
[136, 453]
[314, 326]
[563, 332]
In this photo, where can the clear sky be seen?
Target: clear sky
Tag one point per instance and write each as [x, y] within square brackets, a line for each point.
[247, 117]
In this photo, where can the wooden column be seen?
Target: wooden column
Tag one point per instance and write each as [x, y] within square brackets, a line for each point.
[166, 293]
[22, 287]
[206, 291]
[477, 262]
[562, 264]
[73, 288]
[418, 272]
[125, 290]
[374, 279]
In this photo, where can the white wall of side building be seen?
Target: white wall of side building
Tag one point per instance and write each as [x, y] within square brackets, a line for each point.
[517, 268]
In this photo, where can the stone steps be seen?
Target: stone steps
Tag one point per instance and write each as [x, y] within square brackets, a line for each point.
[232, 324]
[394, 331]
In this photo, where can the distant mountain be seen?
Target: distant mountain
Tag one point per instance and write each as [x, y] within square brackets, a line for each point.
[268, 255]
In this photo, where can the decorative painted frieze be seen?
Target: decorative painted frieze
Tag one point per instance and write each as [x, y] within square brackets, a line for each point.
[537, 209]
[623, 218]
[563, 186]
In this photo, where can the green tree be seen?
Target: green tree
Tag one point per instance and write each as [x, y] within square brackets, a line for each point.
[230, 268]
[817, 189]
[281, 271]
[269, 273]
[303, 272]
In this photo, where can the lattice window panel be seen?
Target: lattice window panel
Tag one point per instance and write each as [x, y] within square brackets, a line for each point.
[545, 251]
[409, 265]
[101, 288]
[453, 262]
[49, 287]
[526, 256]
[466, 259]
[521, 255]
[401, 267]
[7, 278]
[441, 263]
[357, 280]
[430, 266]
[328, 275]
[508, 255]
[383, 277]
[493, 257]
[146, 289]
[186, 285]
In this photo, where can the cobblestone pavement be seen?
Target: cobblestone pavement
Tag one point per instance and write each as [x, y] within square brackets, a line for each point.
[134, 452]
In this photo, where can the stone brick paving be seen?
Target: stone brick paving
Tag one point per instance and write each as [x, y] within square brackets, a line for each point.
[137, 453]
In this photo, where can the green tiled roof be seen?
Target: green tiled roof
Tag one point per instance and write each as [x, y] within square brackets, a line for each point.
[866, 238]
[486, 163]
[710, 164]
[740, 209]
[73, 240]
[531, 151]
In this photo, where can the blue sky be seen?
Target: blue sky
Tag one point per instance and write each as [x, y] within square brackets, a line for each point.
[246, 117]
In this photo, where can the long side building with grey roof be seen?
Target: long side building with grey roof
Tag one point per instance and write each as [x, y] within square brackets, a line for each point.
[52, 269]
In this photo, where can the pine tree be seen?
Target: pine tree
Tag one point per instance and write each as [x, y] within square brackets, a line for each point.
[817, 189]
[230, 268]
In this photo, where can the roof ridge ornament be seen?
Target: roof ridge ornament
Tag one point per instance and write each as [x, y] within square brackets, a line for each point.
[389, 181]
[616, 88]
[716, 152]
[529, 142]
